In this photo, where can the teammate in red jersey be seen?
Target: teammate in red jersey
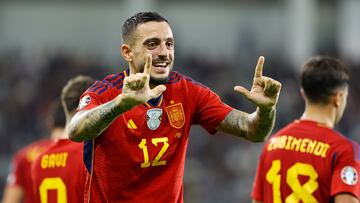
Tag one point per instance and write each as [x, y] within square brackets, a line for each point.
[308, 161]
[59, 173]
[19, 185]
[136, 123]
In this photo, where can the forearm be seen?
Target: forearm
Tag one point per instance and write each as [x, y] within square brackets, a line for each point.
[91, 123]
[254, 127]
[345, 198]
[262, 123]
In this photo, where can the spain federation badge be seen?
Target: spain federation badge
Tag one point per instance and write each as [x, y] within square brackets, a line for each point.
[349, 175]
[176, 115]
[153, 118]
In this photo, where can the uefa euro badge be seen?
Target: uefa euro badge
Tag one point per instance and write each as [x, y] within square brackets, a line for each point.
[153, 118]
[349, 175]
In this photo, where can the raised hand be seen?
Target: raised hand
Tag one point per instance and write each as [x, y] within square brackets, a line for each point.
[136, 88]
[265, 91]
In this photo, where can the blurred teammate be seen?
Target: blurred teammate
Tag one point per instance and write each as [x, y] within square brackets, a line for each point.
[308, 161]
[137, 122]
[59, 172]
[19, 187]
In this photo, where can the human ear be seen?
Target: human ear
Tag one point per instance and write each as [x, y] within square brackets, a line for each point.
[337, 98]
[126, 52]
[302, 93]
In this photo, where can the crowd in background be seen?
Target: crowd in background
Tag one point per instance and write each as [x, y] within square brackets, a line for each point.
[219, 168]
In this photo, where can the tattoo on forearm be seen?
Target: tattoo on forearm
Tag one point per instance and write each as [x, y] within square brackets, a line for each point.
[254, 127]
[236, 122]
[93, 122]
[241, 122]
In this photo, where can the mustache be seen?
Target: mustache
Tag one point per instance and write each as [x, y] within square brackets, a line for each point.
[161, 60]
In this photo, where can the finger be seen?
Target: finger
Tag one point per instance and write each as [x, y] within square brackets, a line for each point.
[242, 90]
[138, 84]
[272, 87]
[126, 82]
[259, 67]
[277, 87]
[132, 67]
[131, 83]
[157, 91]
[148, 64]
[268, 89]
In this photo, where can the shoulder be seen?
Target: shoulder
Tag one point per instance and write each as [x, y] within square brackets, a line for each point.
[113, 81]
[33, 149]
[64, 145]
[347, 144]
[176, 78]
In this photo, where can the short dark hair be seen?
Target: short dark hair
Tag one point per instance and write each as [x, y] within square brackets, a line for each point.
[322, 76]
[73, 90]
[131, 23]
[56, 116]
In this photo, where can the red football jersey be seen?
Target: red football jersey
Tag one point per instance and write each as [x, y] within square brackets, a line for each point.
[20, 170]
[307, 162]
[59, 173]
[140, 156]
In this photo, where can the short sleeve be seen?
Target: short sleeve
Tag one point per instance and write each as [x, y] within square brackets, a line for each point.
[345, 178]
[97, 94]
[210, 110]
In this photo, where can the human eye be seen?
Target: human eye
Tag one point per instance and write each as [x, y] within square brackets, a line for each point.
[151, 44]
[170, 44]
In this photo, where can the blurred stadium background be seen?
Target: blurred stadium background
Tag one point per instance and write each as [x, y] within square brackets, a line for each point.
[44, 43]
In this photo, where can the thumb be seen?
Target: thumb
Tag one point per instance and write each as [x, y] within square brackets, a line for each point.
[156, 92]
[242, 90]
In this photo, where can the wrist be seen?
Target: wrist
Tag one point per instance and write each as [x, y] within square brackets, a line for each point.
[125, 103]
[266, 110]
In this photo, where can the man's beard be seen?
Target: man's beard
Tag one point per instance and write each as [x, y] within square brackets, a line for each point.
[158, 81]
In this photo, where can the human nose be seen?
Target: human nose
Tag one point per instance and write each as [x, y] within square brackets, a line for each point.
[163, 50]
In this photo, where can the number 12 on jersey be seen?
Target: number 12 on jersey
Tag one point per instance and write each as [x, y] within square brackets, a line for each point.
[156, 161]
[299, 191]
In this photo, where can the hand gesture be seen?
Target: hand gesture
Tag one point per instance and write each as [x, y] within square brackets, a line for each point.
[136, 88]
[265, 91]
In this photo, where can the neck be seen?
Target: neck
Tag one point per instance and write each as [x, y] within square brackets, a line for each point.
[58, 133]
[324, 114]
[68, 120]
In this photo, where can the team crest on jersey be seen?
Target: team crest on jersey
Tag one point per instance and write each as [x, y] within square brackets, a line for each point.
[176, 115]
[349, 175]
[84, 102]
[153, 118]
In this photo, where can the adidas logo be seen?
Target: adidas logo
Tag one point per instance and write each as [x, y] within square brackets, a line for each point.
[131, 124]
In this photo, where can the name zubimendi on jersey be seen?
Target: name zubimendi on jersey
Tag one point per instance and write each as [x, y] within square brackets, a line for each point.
[303, 145]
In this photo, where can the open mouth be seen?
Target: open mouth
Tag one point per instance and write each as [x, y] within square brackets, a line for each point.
[161, 64]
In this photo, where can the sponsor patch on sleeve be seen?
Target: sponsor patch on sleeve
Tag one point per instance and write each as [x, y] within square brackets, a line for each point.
[349, 175]
[84, 102]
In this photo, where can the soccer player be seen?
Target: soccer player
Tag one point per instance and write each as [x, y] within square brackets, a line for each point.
[308, 161]
[59, 172]
[19, 187]
[136, 123]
